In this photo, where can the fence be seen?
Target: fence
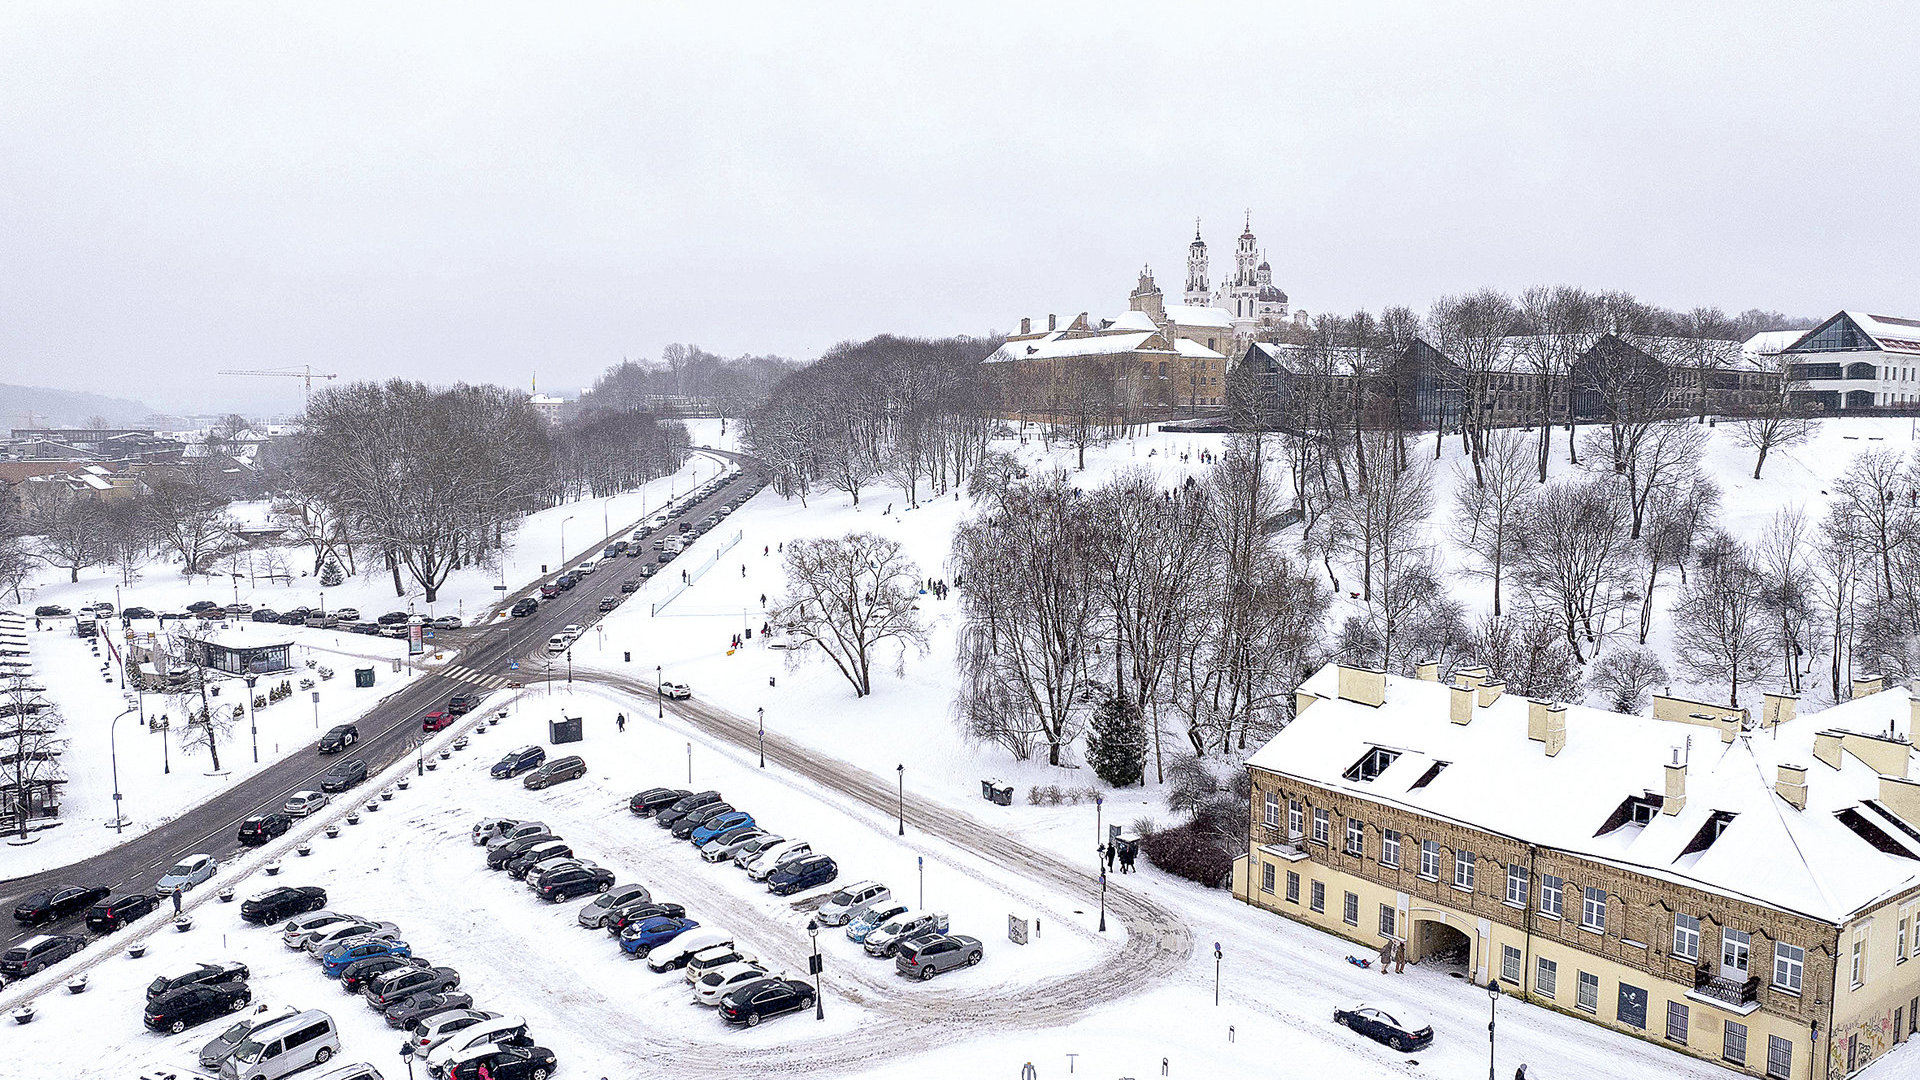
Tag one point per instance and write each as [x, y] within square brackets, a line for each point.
[693, 575]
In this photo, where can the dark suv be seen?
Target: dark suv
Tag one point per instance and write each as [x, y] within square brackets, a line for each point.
[556, 771]
[463, 703]
[283, 903]
[229, 973]
[579, 881]
[178, 1010]
[49, 905]
[261, 828]
[525, 607]
[35, 953]
[115, 912]
[403, 983]
[685, 805]
[652, 799]
[518, 761]
[344, 775]
[338, 738]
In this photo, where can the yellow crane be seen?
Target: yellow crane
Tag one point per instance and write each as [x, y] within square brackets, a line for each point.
[304, 372]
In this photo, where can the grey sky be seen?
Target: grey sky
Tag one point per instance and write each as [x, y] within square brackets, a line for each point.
[466, 191]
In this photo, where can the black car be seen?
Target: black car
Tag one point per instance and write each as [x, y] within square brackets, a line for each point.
[581, 881]
[559, 770]
[655, 799]
[756, 1001]
[499, 857]
[117, 911]
[522, 864]
[639, 911]
[344, 775]
[137, 613]
[1382, 1026]
[463, 703]
[525, 607]
[698, 816]
[275, 905]
[393, 618]
[338, 738]
[261, 828]
[265, 615]
[48, 611]
[178, 1010]
[404, 1014]
[518, 761]
[48, 905]
[508, 1063]
[230, 973]
[629, 586]
[399, 985]
[199, 606]
[356, 976]
[38, 952]
[683, 806]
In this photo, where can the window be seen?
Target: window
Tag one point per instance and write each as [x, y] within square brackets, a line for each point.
[1430, 859]
[1900, 939]
[1350, 909]
[1734, 1047]
[1510, 960]
[1516, 885]
[1546, 975]
[1273, 808]
[1463, 869]
[1321, 818]
[1789, 963]
[1296, 820]
[1356, 836]
[1319, 901]
[1676, 1022]
[1390, 847]
[1735, 945]
[1388, 924]
[1551, 889]
[1372, 764]
[1293, 887]
[1779, 1058]
[1586, 995]
[1859, 959]
[1686, 938]
[1266, 877]
[1593, 909]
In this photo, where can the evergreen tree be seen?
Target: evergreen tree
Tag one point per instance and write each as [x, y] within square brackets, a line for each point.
[330, 575]
[1117, 743]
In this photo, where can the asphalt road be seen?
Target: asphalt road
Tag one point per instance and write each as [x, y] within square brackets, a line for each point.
[389, 732]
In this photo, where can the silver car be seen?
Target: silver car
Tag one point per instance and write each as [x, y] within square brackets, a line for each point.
[340, 933]
[223, 1044]
[295, 933]
[747, 849]
[594, 915]
[722, 847]
[188, 872]
[841, 907]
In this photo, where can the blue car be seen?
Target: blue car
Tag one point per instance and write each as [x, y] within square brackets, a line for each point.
[873, 918]
[641, 938]
[732, 819]
[519, 761]
[336, 960]
[801, 874]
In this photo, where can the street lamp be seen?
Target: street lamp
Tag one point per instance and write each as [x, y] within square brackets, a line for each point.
[903, 798]
[119, 821]
[1493, 1003]
[406, 1055]
[819, 999]
[166, 728]
[253, 718]
[569, 665]
[659, 703]
[1103, 901]
[1216, 974]
[563, 539]
[763, 736]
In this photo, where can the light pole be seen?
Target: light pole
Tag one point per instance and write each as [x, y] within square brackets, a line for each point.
[659, 704]
[1216, 974]
[253, 718]
[763, 736]
[563, 539]
[819, 999]
[1493, 1004]
[406, 1055]
[166, 730]
[1099, 828]
[903, 798]
[119, 821]
[569, 665]
[1103, 901]
[922, 860]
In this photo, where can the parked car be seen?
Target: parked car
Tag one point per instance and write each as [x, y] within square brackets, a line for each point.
[117, 911]
[848, 900]
[188, 872]
[401, 984]
[275, 905]
[302, 803]
[507, 1062]
[654, 931]
[518, 830]
[351, 614]
[339, 737]
[334, 933]
[559, 770]
[355, 976]
[875, 916]
[716, 983]
[344, 775]
[549, 590]
[463, 703]
[525, 607]
[698, 816]
[181, 1009]
[799, 875]
[653, 800]
[359, 1070]
[717, 825]
[520, 864]
[446, 622]
[264, 615]
[715, 957]
[429, 1017]
[203, 975]
[594, 914]
[284, 1047]
[260, 828]
[1380, 1025]
[436, 720]
[923, 958]
[518, 761]
[394, 618]
[756, 1001]
[301, 928]
[499, 857]
[676, 691]
[224, 1044]
[578, 881]
[673, 955]
[627, 916]
[137, 613]
[36, 953]
[337, 958]
[630, 586]
[884, 940]
[722, 847]
[466, 1041]
[770, 858]
[49, 905]
[682, 806]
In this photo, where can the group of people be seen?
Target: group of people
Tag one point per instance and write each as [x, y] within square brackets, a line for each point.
[937, 587]
[1123, 851]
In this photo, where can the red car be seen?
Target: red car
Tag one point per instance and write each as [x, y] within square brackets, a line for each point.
[436, 720]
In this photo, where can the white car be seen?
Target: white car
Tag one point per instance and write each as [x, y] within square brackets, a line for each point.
[347, 614]
[715, 958]
[487, 828]
[724, 980]
[334, 933]
[302, 803]
[185, 874]
[296, 932]
[848, 899]
[675, 952]
[476, 1041]
[677, 691]
[585, 568]
[559, 643]
[571, 631]
[442, 1026]
[770, 859]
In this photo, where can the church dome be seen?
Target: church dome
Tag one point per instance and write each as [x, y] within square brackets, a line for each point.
[1272, 294]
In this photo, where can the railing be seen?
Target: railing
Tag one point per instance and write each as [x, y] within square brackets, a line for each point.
[1707, 982]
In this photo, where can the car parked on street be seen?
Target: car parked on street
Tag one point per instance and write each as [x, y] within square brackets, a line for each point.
[117, 911]
[654, 800]
[559, 770]
[459, 704]
[41, 951]
[1396, 1028]
[260, 828]
[436, 720]
[799, 875]
[338, 958]
[202, 975]
[630, 586]
[525, 607]
[303, 803]
[50, 905]
[344, 775]
[188, 872]
[923, 958]
[276, 905]
[849, 900]
[757, 1001]
[593, 915]
[178, 1010]
[518, 761]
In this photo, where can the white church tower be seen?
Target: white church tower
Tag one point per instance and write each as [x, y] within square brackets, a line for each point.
[1197, 292]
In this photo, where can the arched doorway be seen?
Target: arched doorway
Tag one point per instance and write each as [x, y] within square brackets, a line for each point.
[1435, 942]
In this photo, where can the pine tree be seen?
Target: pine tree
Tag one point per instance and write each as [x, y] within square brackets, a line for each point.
[330, 575]
[1117, 742]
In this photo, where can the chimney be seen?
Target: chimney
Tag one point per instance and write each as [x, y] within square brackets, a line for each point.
[1791, 785]
[1490, 692]
[1427, 670]
[1676, 799]
[1470, 677]
[1462, 703]
[1779, 709]
[1868, 684]
[1051, 321]
[1826, 748]
[1026, 326]
[1537, 719]
[1547, 724]
[1902, 797]
[1913, 704]
[1365, 686]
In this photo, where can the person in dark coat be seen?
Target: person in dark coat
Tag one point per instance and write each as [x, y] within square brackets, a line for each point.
[620, 722]
[1126, 858]
[1110, 854]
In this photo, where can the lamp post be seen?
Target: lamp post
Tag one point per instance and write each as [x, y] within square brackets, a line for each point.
[119, 821]
[406, 1055]
[1493, 1004]
[903, 798]
[1103, 901]
[1099, 829]
[563, 539]
[763, 736]
[166, 729]
[253, 718]
[1216, 974]
[819, 999]
[659, 705]
[569, 665]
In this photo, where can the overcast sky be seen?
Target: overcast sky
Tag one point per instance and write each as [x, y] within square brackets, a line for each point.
[482, 192]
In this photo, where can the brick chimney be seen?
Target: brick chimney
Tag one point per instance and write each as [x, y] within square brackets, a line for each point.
[1779, 709]
[1026, 326]
[1490, 692]
[1427, 670]
[1470, 677]
[1365, 686]
[1913, 717]
[1826, 748]
[1547, 724]
[1868, 684]
[1791, 785]
[1676, 799]
[1052, 321]
[1462, 703]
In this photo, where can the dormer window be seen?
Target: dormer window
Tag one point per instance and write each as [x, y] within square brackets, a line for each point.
[1716, 824]
[1635, 810]
[1371, 764]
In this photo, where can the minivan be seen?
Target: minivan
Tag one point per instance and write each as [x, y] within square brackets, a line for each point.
[284, 1047]
[556, 771]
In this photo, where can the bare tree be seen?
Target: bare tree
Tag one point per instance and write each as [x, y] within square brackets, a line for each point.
[1575, 554]
[1874, 489]
[1561, 323]
[1674, 521]
[1785, 564]
[1840, 565]
[1472, 330]
[30, 748]
[1663, 458]
[1486, 515]
[1627, 676]
[1722, 630]
[850, 595]
[69, 531]
[1777, 423]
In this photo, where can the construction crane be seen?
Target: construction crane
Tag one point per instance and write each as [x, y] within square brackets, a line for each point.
[304, 373]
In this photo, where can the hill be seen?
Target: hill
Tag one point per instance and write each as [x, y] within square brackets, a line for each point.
[65, 408]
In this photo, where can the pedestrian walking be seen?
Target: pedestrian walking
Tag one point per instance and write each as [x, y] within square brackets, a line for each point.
[176, 898]
[763, 599]
[620, 722]
[1110, 854]
[1399, 957]
[1386, 955]
[1126, 858]
[743, 569]
[764, 549]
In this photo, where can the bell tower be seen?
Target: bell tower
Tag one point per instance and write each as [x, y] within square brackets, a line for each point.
[1197, 292]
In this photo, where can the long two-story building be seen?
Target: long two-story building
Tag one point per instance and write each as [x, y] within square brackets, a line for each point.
[1738, 888]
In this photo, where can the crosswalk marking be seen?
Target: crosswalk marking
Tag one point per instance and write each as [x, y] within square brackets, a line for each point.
[477, 678]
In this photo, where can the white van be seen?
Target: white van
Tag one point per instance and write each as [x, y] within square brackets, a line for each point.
[283, 1047]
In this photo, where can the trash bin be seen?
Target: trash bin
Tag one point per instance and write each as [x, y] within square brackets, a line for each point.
[363, 676]
[567, 729]
[1000, 794]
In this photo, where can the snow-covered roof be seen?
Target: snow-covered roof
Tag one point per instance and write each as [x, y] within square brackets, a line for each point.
[1770, 342]
[240, 637]
[1057, 345]
[1132, 320]
[1183, 315]
[1891, 333]
[1497, 779]
[1193, 350]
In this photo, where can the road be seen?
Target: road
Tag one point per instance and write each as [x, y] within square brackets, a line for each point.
[389, 732]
